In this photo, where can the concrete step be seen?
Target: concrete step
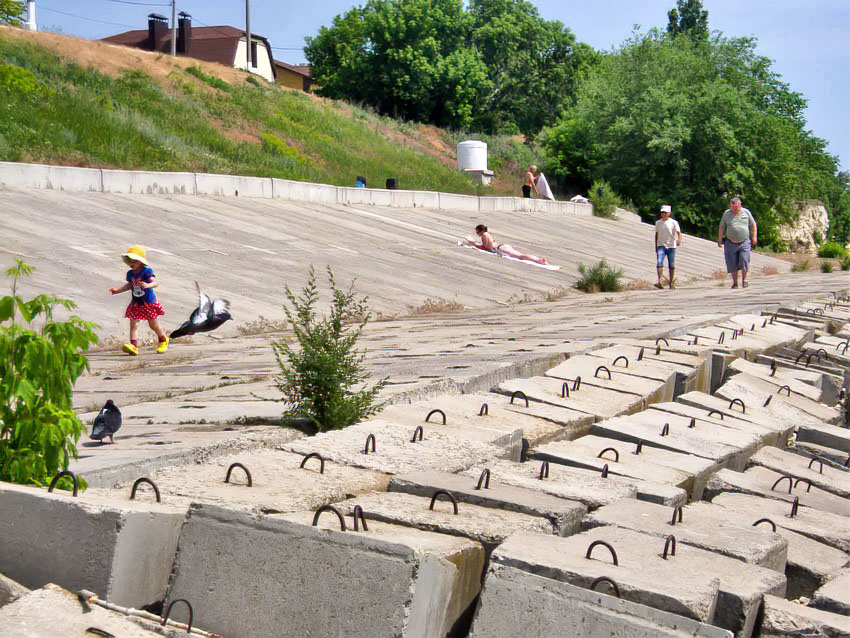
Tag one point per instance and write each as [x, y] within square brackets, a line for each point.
[771, 417]
[769, 434]
[565, 515]
[517, 603]
[834, 595]
[691, 373]
[778, 379]
[815, 472]
[827, 455]
[600, 402]
[826, 435]
[703, 525]
[783, 619]
[595, 373]
[754, 392]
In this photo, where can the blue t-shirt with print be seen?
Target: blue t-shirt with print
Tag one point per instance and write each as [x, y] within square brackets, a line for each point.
[141, 295]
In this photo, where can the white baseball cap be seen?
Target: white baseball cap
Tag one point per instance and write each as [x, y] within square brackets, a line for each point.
[666, 208]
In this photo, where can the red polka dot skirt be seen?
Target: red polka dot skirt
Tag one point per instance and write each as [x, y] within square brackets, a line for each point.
[144, 311]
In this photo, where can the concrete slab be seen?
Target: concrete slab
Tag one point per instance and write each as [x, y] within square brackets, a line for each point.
[565, 515]
[815, 472]
[515, 603]
[278, 483]
[689, 593]
[599, 402]
[691, 372]
[808, 388]
[684, 439]
[122, 550]
[783, 618]
[395, 451]
[834, 595]
[825, 434]
[823, 527]
[741, 588]
[827, 455]
[810, 563]
[759, 481]
[305, 580]
[485, 525]
[769, 433]
[53, 611]
[754, 392]
[771, 417]
[703, 525]
[619, 458]
[595, 373]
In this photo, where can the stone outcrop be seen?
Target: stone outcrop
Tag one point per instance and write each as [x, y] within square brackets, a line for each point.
[812, 223]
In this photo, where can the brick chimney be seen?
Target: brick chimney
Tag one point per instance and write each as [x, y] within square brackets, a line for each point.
[157, 28]
[184, 33]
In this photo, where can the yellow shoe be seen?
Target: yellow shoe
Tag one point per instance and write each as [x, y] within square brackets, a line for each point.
[162, 347]
[130, 349]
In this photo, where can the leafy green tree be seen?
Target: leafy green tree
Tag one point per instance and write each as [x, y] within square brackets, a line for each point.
[688, 18]
[38, 369]
[692, 123]
[12, 12]
[319, 377]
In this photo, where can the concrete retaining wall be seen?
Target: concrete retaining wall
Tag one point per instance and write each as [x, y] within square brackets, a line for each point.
[20, 175]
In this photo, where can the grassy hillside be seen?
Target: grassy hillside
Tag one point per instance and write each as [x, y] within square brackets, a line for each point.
[76, 102]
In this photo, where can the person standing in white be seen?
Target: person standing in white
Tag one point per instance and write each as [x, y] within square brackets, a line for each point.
[668, 236]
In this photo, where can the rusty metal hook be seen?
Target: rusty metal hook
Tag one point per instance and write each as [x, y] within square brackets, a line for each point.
[657, 350]
[435, 411]
[519, 393]
[669, 544]
[696, 340]
[843, 347]
[799, 356]
[565, 390]
[780, 479]
[721, 338]
[485, 410]
[145, 479]
[447, 493]
[73, 479]
[825, 353]
[693, 422]
[767, 401]
[639, 447]
[624, 358]
[605, 579]
[808, 483]
[168, 613]
[665, 430]
[610, 449]
[717, 412]
[544, 470]
[737, 400]
[773, 368]
[640, 354]
[417, 432]
[315, 455]
[247, 473]
[484, 478]
[819, 462]
[666, 343]
[794, 507]
[605, 471]
[676, 510]
[765, 520]
[359, 514]
[577, 384]
[605, 545]
[596, 374]
[784, 387]
[369, 439]
[329, 508]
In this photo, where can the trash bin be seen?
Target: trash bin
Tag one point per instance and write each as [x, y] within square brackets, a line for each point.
[392, 184]
[359, 182]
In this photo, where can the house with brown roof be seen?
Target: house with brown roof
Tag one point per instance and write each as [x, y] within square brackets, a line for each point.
[294, 76]
[225, 45]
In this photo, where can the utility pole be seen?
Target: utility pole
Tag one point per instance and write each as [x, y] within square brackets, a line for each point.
[248, 32]
[30, 23]
[174, 27]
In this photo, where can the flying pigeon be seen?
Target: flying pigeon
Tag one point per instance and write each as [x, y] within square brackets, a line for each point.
[209, 315]
[106, 423]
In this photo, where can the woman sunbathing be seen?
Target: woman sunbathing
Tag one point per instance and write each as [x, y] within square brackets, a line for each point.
[488, 244]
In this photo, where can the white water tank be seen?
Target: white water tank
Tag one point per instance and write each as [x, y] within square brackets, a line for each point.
[472, 156]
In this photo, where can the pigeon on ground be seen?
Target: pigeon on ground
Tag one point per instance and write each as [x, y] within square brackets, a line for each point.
[106, 423]
[209, 315]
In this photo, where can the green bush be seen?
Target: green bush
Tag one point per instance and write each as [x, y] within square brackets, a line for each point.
[318, 378]
[599, 278]
[832, 250]
[801, 266]
[817, 236]
[845, 263]
[216, 83]
[38, 369]
[827, 266]
[603, 198]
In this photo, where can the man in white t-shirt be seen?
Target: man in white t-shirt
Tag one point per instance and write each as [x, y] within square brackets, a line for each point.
[668, 236]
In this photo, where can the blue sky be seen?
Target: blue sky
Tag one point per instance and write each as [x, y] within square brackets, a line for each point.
[809, 40]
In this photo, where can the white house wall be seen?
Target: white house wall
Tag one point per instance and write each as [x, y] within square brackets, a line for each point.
[264, 62]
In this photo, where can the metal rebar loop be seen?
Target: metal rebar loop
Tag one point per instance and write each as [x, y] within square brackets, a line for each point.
[606, 546]
[669, 544]
[485, 410]
[544, 470]
[519, 393]
[596, 374]
[640, 354]
[773, 368]
[565, 390]
[739, 402]
[610, 449]
[794, 507]
[141, 480]
[168, 613]
[782, 478]
[577, 384]
[721, 338]
[418, 432]
[433, 412]
[767, 401]
[605, 471]
[665, 430]
[73, 479]
[369, 439]
[677, 511]
[820, 463]
[657, 350]
[787, 388]
[639, 447]
[717, 412]
[799, 356]
[805, 480]
[765, 520]
[245, 469]
[693, 422]
[484, 478]
[314, 455]
[359, 514]
[329, 508]
[605, 579]
[624, 358]
[696, 340]
[660, 339]
[447, 493]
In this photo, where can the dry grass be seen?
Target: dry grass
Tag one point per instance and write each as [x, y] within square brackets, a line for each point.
[558, 293]
[434, 306]
[261, 326]
[769, 270]
[801, 266]
[719, 274]
[638, 284]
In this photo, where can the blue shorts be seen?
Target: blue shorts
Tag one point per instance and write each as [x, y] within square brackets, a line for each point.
[663, 251]
[737, 255]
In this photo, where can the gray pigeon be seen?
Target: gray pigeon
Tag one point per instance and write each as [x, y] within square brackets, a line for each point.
[209, 315]
[106, 423]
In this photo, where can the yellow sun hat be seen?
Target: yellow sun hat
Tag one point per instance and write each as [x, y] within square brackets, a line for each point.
[136, 253]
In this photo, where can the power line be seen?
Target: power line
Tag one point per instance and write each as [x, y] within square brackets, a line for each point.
[73, 15]
[141, 4]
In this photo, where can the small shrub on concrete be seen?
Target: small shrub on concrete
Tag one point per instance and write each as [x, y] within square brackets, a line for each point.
[318, 377]
[599, 278]
[801, 266]
[40, 361]
[832, 250]
[603, 198]
[827, 265]
[845, 263]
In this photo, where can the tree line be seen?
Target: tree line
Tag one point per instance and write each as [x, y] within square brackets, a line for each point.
[680, 115]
